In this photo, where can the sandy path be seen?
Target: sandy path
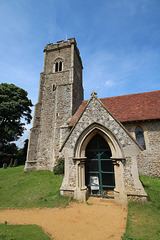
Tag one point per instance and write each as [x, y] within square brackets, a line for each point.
[76, 222]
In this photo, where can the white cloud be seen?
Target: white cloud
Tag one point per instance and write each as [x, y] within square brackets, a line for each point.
[109, 83]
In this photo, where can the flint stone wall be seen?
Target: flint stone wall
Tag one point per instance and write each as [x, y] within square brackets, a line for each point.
[96, 113]
[148, 160]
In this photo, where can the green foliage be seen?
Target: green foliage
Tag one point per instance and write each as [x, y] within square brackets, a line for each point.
[11, 148]
[14, 105]
[128, 237]
[19, 232]
[17, 156]
[143, 222]
[32, 189]
[89, 204]
[8, 155]
[59, 168]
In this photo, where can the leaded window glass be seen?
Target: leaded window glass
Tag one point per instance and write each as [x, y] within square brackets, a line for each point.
[140, 137]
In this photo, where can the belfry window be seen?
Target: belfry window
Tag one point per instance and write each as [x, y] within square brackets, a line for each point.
[140, 137]
[58, 66]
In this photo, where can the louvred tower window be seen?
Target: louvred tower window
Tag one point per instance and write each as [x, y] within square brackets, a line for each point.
[58, 66]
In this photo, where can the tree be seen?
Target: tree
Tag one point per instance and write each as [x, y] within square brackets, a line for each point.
[14, 106]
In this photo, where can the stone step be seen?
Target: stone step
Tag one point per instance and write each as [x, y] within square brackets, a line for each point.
[100, 201]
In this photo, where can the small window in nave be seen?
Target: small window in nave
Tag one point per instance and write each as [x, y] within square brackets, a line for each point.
[140, 137]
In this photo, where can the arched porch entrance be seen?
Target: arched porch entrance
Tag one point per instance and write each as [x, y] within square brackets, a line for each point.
[99, 169]
[113, 152]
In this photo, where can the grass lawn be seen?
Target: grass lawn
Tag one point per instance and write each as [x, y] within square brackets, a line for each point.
[19, 232]
[143, 221]
[41, 189]
[32, 189]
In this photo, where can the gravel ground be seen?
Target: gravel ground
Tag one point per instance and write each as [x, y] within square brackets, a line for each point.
[98, 220]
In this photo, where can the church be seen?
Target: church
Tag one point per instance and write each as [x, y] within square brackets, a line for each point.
[105, 143]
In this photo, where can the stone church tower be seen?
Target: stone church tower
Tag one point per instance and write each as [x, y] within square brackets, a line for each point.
[60, 95]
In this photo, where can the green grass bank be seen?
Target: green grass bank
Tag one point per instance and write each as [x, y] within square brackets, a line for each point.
[143, 222]
[32, 189]
[41, 189]
[19, 232]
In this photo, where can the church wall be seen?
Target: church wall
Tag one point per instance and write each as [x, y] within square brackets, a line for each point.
[77, 84]
[40, 147]
[63, 112]
[44, 145]
[148, 160]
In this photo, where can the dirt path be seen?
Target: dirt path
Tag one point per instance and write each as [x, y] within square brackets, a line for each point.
[99, 221]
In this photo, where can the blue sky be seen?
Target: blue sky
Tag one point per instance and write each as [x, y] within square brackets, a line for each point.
[119, 42]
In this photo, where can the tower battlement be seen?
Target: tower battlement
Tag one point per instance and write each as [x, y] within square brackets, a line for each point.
[60, 44]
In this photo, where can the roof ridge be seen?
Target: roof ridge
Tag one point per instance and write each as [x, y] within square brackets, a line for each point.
[131, 94]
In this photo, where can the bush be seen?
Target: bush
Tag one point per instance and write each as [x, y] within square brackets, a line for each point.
[59, 168]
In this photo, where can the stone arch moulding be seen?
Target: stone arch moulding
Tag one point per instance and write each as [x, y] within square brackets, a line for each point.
[89, 132]
[58, 58]
[81, 192]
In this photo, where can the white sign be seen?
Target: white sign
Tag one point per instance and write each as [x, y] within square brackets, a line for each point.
[94, 181]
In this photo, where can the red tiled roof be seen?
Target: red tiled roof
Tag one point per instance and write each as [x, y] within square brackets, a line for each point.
[132, 107]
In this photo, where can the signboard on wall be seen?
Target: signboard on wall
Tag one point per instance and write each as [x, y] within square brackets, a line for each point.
[94, 181]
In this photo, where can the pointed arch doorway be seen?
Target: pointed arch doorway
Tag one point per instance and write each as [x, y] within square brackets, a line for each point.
[99, 169]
